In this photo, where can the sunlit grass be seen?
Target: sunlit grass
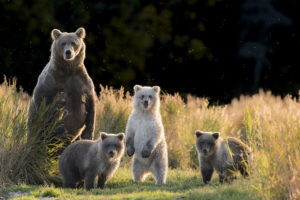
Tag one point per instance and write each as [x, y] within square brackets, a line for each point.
[22, 159]
[270, 125]
[181, 184]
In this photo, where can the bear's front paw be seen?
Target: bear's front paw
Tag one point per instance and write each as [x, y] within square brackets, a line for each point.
[130, 151]
[146, 153]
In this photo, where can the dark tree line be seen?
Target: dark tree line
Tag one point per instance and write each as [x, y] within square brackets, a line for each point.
[213, 48]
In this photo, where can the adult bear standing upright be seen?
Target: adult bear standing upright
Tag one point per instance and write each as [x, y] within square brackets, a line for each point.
[66, 80]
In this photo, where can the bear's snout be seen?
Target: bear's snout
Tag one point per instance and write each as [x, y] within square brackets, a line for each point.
[146, 103]
[111, 154]
[68, 54]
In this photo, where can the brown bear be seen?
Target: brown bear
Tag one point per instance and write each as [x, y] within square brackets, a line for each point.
[66, 80]
[226, 156]
[86, 160]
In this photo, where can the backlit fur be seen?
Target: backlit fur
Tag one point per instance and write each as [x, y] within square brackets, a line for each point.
[226, 156]
[88, 160]
[145, 138]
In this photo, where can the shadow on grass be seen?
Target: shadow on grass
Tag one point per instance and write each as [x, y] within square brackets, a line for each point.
[176, 181]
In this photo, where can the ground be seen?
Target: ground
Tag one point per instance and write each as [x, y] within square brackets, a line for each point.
[181, 185]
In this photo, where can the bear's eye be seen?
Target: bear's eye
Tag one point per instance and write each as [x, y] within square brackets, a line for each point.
[143, 96]
[150, 97]
[63, 44]
[73, 43]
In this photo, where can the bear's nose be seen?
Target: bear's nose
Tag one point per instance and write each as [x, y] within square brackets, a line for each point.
[111, 154]
[146, 103]
[68, 52]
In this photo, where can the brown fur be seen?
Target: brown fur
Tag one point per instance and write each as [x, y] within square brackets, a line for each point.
[65, 79]
[85, 160]
[223, 155]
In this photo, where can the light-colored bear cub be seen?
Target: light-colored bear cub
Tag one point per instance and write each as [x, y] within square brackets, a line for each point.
[145, 138]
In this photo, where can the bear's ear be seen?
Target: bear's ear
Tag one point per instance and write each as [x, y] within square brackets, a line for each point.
[156, 89]
[55, 33]
[137, 88]
[198, 133]
[103, 135]
[80, 33]
[216, 135]
[121, 136]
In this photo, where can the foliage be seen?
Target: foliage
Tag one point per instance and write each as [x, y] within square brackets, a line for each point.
[26, 159]
[131, 41]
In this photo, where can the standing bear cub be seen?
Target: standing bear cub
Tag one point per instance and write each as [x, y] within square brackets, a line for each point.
[145, 138]
[86, 160]
[66, 81]
[224, 155]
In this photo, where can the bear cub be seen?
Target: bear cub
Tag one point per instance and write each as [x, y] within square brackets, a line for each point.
[226, 156]
[145, 138]
[87, 160]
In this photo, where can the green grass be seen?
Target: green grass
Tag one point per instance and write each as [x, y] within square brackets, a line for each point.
[181, 185]
[270, 125]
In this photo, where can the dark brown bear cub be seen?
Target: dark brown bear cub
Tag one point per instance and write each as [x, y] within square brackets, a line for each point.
[226, 156]
[86, 160]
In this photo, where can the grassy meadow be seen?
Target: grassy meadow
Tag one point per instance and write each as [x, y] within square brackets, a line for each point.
[270, 125]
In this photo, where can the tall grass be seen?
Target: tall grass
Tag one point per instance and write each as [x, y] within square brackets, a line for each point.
[25, 159]
[270, 125]
[112, 110]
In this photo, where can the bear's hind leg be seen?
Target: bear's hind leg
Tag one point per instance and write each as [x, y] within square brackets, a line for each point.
[242, 165]
[160, 171]
[139, 171]
[70, 179]
[69, 182]
[227, 176]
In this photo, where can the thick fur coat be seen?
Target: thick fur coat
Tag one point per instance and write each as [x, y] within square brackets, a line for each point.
[66, 81]
[226, 156]
[88, 160]
[145, 138]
